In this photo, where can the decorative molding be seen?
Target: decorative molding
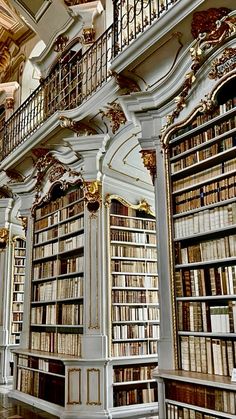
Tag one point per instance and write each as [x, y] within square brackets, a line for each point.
[204, 21]
[223, 29]
[88, 35]
[92, 196]
[141, 206]
[116, 116]
[77, 126]
[224, 64]
[60, 43]
[149, 161]
[4, 237]
[71, 372]
[96, 373]
[9, 103]
[126, 84]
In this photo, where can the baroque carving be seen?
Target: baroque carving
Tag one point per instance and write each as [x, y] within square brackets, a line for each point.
[9, 103]
[77, 126]
[60, 43]
[24, 222]
[14, 175]
[223, 29]
[116, 116]
[149, 161]
[5, 59]
[224, 64]
[125, 83]
[4, 236]
[5, 192]
[88, 35]
[204, 21]
[92, 196]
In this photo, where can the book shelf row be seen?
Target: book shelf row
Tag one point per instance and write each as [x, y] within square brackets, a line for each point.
[132, 223]
[134, 266]
[42, 364]
[133, 237]
[134, 281]
[134, 396]
[133, 373]
[221, 248]
[59, 231]
[60, 216]
[205, 221]
[127, 313]
[133, 252]
[139, 348]
[125, 331]
[57, 343]
[195, 394]
[56, 248]
[59, 203]
[214, 281]
[51, 268]
[208, 355]
[58, 289]
[57, 314]
[127, 296]
[179, 412]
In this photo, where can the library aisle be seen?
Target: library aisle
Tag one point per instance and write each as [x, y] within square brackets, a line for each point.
[13, 409]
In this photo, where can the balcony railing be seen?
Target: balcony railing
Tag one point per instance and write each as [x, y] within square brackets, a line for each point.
[77, 75]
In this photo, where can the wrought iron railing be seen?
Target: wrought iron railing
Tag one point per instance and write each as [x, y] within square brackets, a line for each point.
[77, 76]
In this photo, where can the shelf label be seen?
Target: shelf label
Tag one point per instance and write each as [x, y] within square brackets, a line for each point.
[233, 378]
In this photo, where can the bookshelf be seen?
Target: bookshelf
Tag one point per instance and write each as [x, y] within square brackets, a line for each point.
[134, 303]
[18, 281]
[57, 295]
[201, 162]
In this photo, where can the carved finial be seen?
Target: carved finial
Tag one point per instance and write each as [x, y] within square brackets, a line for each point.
[60, 43]
[149, 161]
[77, 126]
[116, 116]
[4, 237]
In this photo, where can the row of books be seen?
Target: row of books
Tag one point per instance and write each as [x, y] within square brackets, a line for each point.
[133, 252]
[133, 237]
[16, 327]
[202, 177]
[202, 118]
[134, 266]
[64, 314]
[57, 217]
[207, 220]
[134, 281]
[201, 396]
[221, 248]
[127, 313]
[18, 297]
[58, 343]
[59, 231]
[134, 331]
[58, 267]
[41, 385]
[17, 317]
[208, 355]
[202, 154]
[140, 224]
[19, 262]
[53, 290]
[126, 296]
[18, 278]
[42, 364]
[19, 245]
[65, 245]
[209, 194]
[134, 396]
[17, 306]
[19, 270]
[208, 281]
[178, 412]
[18, 287]
[195, 316]
[134, 348]
[59, 203]
[133, 373]
[19, 252]
[203, 136]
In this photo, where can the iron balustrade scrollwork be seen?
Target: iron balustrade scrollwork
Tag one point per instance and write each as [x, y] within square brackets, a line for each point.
[77, 76]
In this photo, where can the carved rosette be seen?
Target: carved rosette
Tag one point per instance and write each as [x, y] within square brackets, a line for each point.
[4, 237]
[92, 196]
[224, 64]
[149, 161]
[116, 116]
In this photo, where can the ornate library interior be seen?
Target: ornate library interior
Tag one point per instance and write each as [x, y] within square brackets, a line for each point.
[117, 209]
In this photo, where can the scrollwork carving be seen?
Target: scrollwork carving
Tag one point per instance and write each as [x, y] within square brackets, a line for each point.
[92, 196]
[116, 116]
[4, 237]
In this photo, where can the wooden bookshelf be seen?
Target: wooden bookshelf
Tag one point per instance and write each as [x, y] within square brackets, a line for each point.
[202, 167]
[134, 303]
[19, 255]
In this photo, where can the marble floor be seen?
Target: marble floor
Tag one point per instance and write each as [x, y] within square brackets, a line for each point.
[13, 409]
